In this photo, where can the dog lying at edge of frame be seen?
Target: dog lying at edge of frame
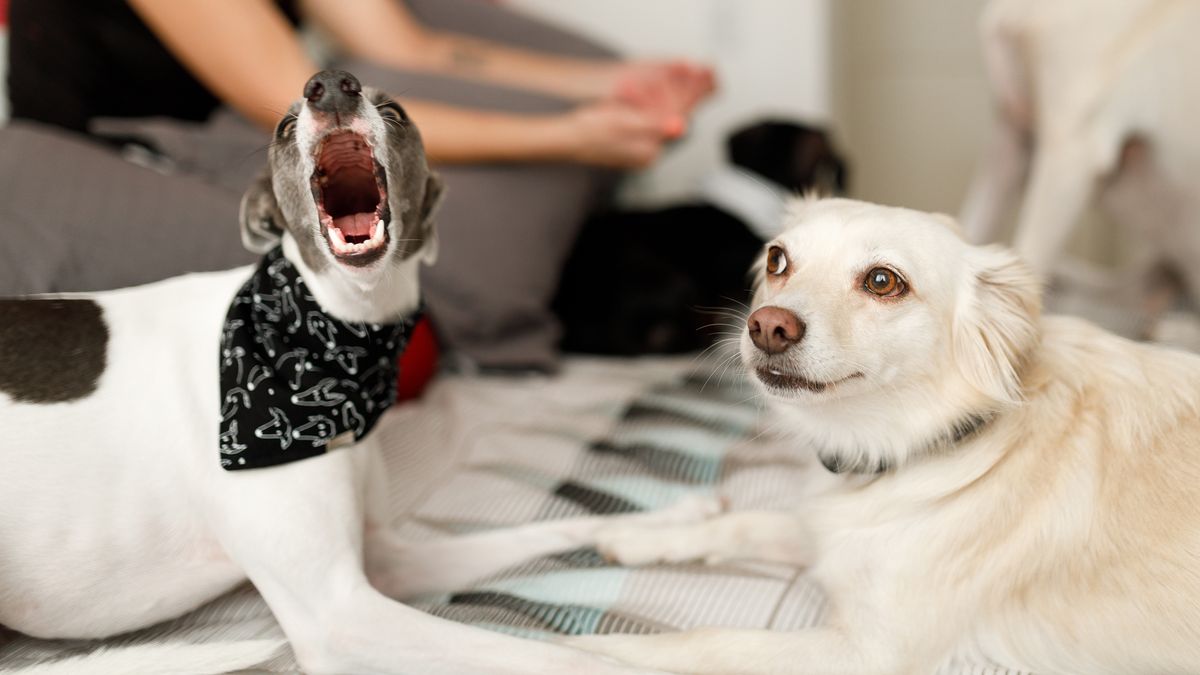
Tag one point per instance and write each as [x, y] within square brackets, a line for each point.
[1023, 483]
[118, 513]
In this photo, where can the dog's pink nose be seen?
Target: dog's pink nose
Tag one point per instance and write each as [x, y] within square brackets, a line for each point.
[775, 329]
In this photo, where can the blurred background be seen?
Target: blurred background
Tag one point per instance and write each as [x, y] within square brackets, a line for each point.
[901, 84]
[899, 89]
[898, 82]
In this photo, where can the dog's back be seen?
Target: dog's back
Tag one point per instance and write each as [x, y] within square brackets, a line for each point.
[1093, 509]
[104, 400]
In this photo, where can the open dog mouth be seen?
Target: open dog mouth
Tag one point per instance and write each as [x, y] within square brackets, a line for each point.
[350, 188]
[780, 379]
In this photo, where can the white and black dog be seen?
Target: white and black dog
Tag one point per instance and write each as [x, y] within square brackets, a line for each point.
[128, 416]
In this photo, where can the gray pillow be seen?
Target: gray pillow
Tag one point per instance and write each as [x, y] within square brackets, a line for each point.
[75, 216]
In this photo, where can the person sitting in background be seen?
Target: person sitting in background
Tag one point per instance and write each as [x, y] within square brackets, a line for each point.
[524, 120]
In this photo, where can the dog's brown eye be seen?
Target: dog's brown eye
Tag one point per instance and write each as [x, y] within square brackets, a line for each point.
[777, 262]
[883, 282]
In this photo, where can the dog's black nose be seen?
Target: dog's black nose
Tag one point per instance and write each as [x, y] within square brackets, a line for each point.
[333, 91]
[775, 329]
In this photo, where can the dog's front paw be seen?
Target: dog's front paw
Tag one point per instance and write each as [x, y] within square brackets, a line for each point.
[690, 509]
[634, 545]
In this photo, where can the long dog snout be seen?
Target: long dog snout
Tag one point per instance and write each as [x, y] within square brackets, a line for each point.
[774, 329]
[333, 91]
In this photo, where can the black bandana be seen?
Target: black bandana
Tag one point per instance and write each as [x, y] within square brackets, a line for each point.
[295, 381]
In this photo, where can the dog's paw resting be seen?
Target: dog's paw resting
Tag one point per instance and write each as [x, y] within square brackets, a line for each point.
[690, 509]
[674, 534]
[633, 545]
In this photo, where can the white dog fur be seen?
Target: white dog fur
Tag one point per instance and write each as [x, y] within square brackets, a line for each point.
[1096, 102]
[1059, 534]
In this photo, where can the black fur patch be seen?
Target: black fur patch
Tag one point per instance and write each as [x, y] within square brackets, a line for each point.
[51, 351]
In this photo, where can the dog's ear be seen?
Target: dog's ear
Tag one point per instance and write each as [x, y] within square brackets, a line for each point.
[997, 322]
[430, 202]
[260, 217]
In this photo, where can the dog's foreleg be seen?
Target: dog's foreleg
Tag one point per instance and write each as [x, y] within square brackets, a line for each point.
[1066, 171]
[1005, 164]
[770, 536]
[404, 569]
[997, 183]
[297, 532]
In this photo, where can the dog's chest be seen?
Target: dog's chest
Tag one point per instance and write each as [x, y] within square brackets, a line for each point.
[863, 543]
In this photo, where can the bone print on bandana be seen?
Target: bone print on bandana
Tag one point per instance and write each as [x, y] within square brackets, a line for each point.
[295, 381]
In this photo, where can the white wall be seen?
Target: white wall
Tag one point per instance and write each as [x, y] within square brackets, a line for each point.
[911, 98]
[772, 58]
[912, 108]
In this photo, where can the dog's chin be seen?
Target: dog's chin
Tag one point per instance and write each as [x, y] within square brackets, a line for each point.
[349, 188]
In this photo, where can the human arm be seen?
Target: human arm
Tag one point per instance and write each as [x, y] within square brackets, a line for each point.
[385, 32]
[604, 134]
[247, 54]
[243, 51]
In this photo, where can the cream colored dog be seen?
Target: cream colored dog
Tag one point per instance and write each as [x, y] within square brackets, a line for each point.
[1096, 102]
[1028, 484]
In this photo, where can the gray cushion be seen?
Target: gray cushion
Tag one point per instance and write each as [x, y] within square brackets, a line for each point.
[76, 216]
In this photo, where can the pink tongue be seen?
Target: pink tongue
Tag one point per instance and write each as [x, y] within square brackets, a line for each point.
[356, 225]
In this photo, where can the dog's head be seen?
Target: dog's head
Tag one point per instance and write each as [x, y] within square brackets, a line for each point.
[883, 329]
[346, 180]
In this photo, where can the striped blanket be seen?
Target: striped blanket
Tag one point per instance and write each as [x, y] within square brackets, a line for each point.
[604, 437]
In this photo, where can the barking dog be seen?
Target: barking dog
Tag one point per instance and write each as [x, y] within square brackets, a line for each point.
[149, 433]
[1027, 484]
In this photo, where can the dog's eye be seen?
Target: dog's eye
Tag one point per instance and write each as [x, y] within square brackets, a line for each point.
[285, 125]
[885, 283]
[391, 110]
[777, 262]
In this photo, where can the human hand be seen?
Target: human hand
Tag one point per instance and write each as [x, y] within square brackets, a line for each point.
[609, 133]
[668, 89]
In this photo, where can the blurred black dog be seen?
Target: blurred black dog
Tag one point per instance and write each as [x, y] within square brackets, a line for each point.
[653, 282]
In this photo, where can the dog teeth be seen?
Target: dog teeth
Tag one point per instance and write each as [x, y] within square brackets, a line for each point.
[342, 247]
[337, 237]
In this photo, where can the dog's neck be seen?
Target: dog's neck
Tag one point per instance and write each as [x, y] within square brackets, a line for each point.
[394, 294]
[885, 431]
